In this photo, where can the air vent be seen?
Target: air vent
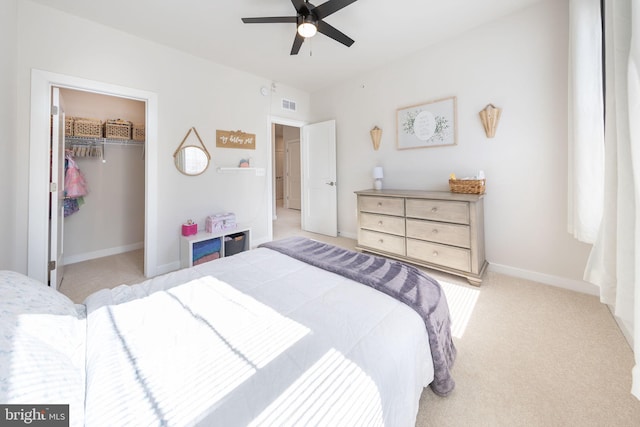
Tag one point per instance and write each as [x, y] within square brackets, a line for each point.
[289, 105]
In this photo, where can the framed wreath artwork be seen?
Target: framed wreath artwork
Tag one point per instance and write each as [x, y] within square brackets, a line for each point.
[430, 124]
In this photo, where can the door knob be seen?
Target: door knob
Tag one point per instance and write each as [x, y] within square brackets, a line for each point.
[331, 183]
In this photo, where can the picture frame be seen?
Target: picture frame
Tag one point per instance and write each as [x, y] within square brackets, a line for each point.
[430, 124]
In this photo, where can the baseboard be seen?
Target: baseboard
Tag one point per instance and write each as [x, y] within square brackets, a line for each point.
[168, 268]
[353, 236]
[547, 279]
[257, 242]
[102, 253]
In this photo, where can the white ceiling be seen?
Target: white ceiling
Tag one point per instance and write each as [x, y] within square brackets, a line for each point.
[383, 30]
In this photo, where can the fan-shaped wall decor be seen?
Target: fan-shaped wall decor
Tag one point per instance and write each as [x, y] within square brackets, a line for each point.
[376, 134]
[490, 117]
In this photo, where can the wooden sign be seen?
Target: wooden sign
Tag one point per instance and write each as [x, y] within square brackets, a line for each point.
[237, 139]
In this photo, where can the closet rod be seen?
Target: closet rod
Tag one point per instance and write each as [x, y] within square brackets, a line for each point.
[106, 141]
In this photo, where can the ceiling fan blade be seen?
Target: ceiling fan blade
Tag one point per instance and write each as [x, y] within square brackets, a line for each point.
[335, 34]
[331, 6]
[270, 20]
[297, 42]
[298, 4]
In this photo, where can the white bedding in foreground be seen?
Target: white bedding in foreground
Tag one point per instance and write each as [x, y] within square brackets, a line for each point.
[254, 339]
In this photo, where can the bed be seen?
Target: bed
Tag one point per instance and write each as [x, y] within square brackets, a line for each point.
[272, 336]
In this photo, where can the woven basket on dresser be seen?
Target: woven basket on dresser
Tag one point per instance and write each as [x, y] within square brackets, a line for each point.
[467, 186]
[117, 129]
[91, 128]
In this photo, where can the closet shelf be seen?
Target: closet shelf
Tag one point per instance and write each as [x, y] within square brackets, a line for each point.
[257, 171]
[106, 141]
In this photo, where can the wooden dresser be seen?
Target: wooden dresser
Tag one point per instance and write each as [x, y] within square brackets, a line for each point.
[434, 229]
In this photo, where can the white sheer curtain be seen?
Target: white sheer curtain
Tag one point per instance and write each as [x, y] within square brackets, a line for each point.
[586, 125]
[614, 264]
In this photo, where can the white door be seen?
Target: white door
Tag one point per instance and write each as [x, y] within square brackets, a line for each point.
[279, 175]
[293, 187]
[319, 194]
[56, 193]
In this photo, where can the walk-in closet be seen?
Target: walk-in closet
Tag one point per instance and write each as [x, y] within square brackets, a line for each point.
[104, 230]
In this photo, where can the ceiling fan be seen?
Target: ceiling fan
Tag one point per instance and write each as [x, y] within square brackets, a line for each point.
[309, 20]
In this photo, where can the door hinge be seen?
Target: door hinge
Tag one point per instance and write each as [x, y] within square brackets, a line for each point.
[54, 110]
[52, 265]
[53, 187]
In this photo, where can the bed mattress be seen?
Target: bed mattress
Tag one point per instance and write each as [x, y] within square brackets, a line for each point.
[254, 339]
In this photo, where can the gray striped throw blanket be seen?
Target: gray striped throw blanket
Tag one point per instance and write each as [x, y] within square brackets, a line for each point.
[406, 283]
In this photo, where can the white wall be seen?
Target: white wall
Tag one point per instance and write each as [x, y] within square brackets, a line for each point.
[191, 92]
[518, 63]
[9, 55]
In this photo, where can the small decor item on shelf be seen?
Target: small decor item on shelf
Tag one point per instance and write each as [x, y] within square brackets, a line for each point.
[189, 228]
[244, 163]
[88, 128]
[117, 129]
[474, 185]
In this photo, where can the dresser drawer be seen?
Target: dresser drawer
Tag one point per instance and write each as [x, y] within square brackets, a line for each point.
[381, 241]
[381, 205]
[439, 232]
[383, 223]
[446, 256]
[438, 210]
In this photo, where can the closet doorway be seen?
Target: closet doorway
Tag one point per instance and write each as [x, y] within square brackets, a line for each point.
[109, 220]
[40, 184]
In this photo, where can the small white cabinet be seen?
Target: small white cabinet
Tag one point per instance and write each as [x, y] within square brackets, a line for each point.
[203, 246]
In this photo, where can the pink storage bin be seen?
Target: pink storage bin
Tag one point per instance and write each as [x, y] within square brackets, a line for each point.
[189, 229]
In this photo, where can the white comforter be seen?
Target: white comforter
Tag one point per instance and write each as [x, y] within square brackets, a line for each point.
[254, 339]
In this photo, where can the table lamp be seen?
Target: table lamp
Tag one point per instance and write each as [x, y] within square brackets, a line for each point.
[377, 176]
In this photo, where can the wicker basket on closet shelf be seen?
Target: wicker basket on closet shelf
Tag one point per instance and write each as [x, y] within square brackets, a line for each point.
[138, 133]
[68, 126]
[91, 128]
[467, 186]
[117, 129]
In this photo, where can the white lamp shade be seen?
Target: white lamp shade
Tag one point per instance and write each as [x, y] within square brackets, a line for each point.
[377, 172]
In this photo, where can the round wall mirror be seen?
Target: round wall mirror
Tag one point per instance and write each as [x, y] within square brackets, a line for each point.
[191, 160]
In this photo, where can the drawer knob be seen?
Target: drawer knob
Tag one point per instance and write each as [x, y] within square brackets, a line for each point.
[434, 231]
[434, 209]
[379, 222]
[435, 253]
[380, 240]
[379, 204]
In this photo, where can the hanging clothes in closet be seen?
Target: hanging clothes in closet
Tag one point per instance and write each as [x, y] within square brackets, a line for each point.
[75, 185]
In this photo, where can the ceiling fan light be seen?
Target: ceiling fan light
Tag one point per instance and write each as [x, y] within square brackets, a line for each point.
[307, 28]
